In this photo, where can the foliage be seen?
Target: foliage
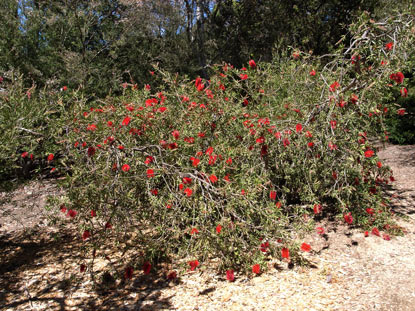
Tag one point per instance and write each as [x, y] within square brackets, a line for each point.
[32, 124]
[229, 168]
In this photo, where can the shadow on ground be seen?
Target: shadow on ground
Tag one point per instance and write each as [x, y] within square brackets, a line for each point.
[41, 271]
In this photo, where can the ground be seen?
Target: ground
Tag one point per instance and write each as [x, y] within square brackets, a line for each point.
[39, 265]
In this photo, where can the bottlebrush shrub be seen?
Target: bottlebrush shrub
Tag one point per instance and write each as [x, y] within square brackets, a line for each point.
[32, 123]
[229, 168]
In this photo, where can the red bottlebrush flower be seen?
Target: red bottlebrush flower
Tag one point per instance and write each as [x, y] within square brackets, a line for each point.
[72, 213]
[176, 134]
[173, 146]
[404, 92]
[154, 191]
[355, 58]
[386, 237]
[172, 275]
[86, 235]
[256, 269]
[273, 195]
[128, 273]
[264, 247]
[126, 121]
[310, 144]
[243, 76]
[298, 128]
[212, 159]
[366, 234]
[370, 211]
[189, 140]
[194, 231]
[91, 151]
[401, 111]
[230, 275]
[51, 157]
[108, 225]
[146, 267]
[193, 264]
[31, 156]
[317, 209]
[320, 230]
[25, 154]
[286, 142]
[93, 213]
[109, 123]
[243, 191]
[121, 147]
[312, 73]
[348, 218]
[397, 77]
[82, 268]
[213, 178]
[375, 231]
[296, 55]
[252, 64]
[369, 153]
[278, 205]
[260, 140]
[389, 46]
[209, 150]
[188, 191]
[187, 180]
[379, 164]
[305, 247]
[285, 253]
[332, 146]
[125, 167]
[195, 161]
[198, 84]
[308, 134]
[218, 229]
[149, 160]
[150, 173]
[334, 86]
[333, 124]
[334, 174]
[148, 87]
[63, 208]
[229, 161]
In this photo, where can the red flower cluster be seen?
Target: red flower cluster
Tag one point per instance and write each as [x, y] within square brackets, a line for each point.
[256, 269]
[397, 77]
[348, 218]
[230, 276]
[389, 46]
[193, 264]
[305, 247]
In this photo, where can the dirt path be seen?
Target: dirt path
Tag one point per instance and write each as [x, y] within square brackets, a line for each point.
[39, 268]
